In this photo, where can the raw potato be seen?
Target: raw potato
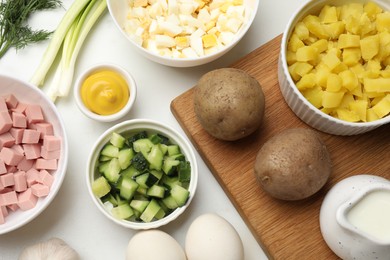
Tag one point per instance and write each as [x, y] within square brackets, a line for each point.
[293, 165]
[229, 103]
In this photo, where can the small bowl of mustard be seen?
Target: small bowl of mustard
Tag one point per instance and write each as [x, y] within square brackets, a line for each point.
[105, 92]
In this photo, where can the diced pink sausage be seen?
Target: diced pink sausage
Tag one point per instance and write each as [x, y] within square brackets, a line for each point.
[7, 179]
[43, 164]
[6, 140]
[5, 122]
[32, 177]
[13, 207]
[2, 217]
[17, 134]
[50, 155]
[11, 101]
[11, 169]
[32, 151]
[40, 190]
[20, 181]
[1, 186]
[3, 105]
[9, 198]
[30, 136]
[10, 156]
[20, 108]
[51, 143]
[19, 120]
[27, 200]
[34, 113]
[44, 128]
[25, 164]
[45, 178]
[3, 169]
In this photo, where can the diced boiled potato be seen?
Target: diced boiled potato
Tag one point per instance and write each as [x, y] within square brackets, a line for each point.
[334, 83]
[291, 57]
[302, 68]
[383, 21]
[377, 85]
[322, 74]
[307, 81]
[352, 9]
[347, 115]
[295, 43]
[314, 96]
[372, 9]
[315, 27]
[334, 30]
[366, 26]
[349, 79]
[321, 45]
[332, 99]
[340, 68]
[360, 108]
[301, 31]
[371, 115]
[351, 56]
[369, 47]
[307, 53]
[331, 60]
[348, 41]
[347, 99]
[382, 108]
[328, 14]
[357, 92]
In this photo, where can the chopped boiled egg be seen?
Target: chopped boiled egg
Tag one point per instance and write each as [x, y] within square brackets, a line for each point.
[185, 28]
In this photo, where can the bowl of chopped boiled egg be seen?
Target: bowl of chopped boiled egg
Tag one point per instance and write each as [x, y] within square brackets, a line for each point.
[334, 65]
[182, 33]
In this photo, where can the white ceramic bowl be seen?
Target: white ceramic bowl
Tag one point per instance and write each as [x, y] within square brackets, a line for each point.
[106, 118]
[296, 101]
[118, 10]
[135, 126]
[344, 239]
[30, 94]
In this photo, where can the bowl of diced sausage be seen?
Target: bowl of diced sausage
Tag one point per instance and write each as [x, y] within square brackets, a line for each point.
[33, 152]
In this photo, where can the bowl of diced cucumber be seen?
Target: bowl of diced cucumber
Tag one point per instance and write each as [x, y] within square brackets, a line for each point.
[142, 174]
[334, 65]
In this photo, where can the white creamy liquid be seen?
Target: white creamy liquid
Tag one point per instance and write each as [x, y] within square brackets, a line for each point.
[372, 215]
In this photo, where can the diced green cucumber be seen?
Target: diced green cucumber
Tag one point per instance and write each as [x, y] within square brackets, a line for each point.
[155, 138]
[130, 171]
[160, 214]
[141, 180]
[184, 171]
[180, 194]
[104, 158]
[117, 140]
[155, 157]
[124, 157]
[169, 166]
[127, 187]
[150, 211]
[143, 145]
[157, 174]
[110, 198]
[139, 205]
[100, 187]
[156, 191]
[169, 181]
[122, 211]
[112, 171]
[163, 148]
[173, 149]
[135, 137]
[103, 166]
[110, 151]
[170, 202]
[139, 162]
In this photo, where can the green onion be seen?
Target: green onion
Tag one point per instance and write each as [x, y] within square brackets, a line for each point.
[71, 33]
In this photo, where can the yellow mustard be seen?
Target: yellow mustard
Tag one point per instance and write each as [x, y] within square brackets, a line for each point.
[105, 92]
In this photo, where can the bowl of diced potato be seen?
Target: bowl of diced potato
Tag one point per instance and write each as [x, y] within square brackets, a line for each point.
[183, 33]
[334, 65]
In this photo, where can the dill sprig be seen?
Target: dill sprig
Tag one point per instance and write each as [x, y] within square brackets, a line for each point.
[14, 30]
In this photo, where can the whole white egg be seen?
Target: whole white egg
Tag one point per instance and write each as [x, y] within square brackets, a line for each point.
[210, 236]
[152, 245]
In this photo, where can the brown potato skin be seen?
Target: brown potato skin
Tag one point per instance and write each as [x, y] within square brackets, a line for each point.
[293, 164]
[229, 103]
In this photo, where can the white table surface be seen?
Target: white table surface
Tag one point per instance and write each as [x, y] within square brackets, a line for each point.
[72, 216]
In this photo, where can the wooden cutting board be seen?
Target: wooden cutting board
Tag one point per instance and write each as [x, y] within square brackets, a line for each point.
[285, 230]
